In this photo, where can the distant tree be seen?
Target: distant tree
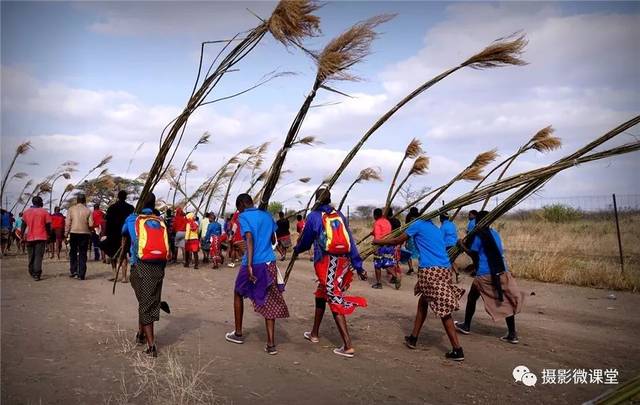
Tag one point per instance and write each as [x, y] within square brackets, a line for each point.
[104, 189]
[364, 211]
[275, 207]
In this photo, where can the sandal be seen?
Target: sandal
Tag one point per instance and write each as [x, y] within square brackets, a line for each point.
[341, 352]
[312, 339]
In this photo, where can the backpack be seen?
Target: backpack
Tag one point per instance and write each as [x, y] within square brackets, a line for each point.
[334, 239]
[153, 239]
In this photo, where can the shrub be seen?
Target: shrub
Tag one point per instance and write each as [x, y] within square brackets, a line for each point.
[560, 213]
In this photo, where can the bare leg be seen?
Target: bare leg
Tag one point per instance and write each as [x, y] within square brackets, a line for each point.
[238, 312]
[378, 275]
[341, 323]
[195, 260]
[421, 316]
[317, 318]
[148, 331]
[271, 330]
[447, 322]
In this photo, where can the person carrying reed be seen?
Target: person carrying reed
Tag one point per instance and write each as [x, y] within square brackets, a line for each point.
[335, 254]
[116, 214]
[258, 278]
[284, 235]
[435, 285]
[385, 256]
[149, 252]
[449, 231]
[493, 282]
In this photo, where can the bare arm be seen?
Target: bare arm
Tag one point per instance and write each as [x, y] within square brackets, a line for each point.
[398, 240]
[249, 248]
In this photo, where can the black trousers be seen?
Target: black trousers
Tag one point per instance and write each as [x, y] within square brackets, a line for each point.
[35, 250]
[78, 245]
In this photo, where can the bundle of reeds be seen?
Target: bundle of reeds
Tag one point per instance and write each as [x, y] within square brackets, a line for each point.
[333, 64]
[530, 181]
[290, 22]
[367, 174]
[20, 150]
[412, 151]
[204, 139]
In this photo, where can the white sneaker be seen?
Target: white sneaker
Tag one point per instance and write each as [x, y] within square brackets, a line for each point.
[232, 265]
[233, 338]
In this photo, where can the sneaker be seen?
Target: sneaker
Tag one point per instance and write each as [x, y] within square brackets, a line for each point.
[152, 351]
[140, 338]
[513, 339]
[410, 272]
[410, 341]
[462, 328]
[455, 354]
[36, 278]
[233, 338]
[271, 350]
[231, 264]
[377, 286]
[73, 275]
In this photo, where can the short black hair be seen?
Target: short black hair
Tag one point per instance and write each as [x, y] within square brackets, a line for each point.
[481, 215]
[444, 216]
[37, 201]
[150, 201]
[81, 198]
[377, 213]
[244, 199]
[299, 217]
[122, 195]
[323, 195]
[281, 214]
[389, 212]
[473, 212]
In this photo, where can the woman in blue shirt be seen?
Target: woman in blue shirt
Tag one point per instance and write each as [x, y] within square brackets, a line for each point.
[493, 282]
[435, 286]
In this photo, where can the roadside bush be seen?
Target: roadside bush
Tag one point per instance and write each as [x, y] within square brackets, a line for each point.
[560, 213]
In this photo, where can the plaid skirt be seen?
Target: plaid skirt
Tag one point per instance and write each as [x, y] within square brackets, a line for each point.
[436, 285]
[512, 301]
[146, 281]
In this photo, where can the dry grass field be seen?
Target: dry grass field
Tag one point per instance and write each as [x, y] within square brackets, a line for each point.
[582, 251]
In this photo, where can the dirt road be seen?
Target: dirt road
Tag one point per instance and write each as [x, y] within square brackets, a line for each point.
[63, 340]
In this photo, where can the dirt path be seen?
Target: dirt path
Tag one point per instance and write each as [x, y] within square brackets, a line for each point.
[63, 339]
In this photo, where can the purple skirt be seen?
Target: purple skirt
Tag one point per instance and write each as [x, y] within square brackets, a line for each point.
[265, 293]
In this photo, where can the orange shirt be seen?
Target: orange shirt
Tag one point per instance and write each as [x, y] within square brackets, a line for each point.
[381, 228]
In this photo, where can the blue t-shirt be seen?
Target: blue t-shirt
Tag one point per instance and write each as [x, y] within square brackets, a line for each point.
[214, 228]
[449, 233]
[471, 224]
[129, 229]
[262, 227]
[6, 221]
[483, 262]
[428, 239]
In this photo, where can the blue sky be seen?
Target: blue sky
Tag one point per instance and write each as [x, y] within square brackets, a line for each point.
[85, 79]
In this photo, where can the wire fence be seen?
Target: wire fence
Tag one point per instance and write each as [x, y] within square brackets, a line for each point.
[592, 203]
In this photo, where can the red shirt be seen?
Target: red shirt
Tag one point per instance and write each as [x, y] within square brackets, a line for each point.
[36, 220]
[381, 228]
[57, 221]
[98, 218]
[179, 223]
[235, 227]
[300, 226]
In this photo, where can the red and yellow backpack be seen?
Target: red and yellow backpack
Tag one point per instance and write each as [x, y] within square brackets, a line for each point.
[153, 239]
[335, 237]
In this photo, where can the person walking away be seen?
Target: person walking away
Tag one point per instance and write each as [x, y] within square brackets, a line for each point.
[57, 229]
[258, 278]
[410, 245]
[214, 239]
[236, 241]
[78, 230]
[38, 223]
[179, 229]
[299, 226]
[283, 235]
[449, 231]
[191, 241]
[493, 282]
[5, 230]
[335, 254]
[96, 231]
[114, 219]
[19, 235]
[205, 246]
[384, 258]
[148, 240]
[435, 285]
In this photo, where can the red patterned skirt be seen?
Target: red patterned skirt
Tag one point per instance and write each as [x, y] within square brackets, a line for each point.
[192, 245]
[436, 285]
[334, 277]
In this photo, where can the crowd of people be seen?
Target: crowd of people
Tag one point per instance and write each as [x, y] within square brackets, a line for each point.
[251, 238]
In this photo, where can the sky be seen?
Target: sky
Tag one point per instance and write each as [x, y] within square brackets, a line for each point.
[81, 80]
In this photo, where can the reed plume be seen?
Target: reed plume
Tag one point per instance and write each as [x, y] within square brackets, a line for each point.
[22, 149]
[368, 174]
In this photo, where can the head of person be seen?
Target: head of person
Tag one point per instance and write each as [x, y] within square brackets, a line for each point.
[389, 213]
[480, 216]
[169, 213]
[150, 202]
[414, 211]
[96, 206]
[444, 217]
[56, 210]
[122, 195]
[229, 217]
[244, 201]
[37, 201]
[323, 196]
[281, 215]
[298, 217]
[212, 216]
[472, 214]
[81, 199]
[179, 212]
[20, 214]
[190, 216]
[377, 213]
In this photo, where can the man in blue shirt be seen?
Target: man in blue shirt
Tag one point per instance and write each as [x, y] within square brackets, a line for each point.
[493, 282]
[472, 220]
[434, 285]
[258, 278]
[449, 231]
[333, 272]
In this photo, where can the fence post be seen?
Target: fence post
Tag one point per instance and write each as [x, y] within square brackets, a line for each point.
[615, 211]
